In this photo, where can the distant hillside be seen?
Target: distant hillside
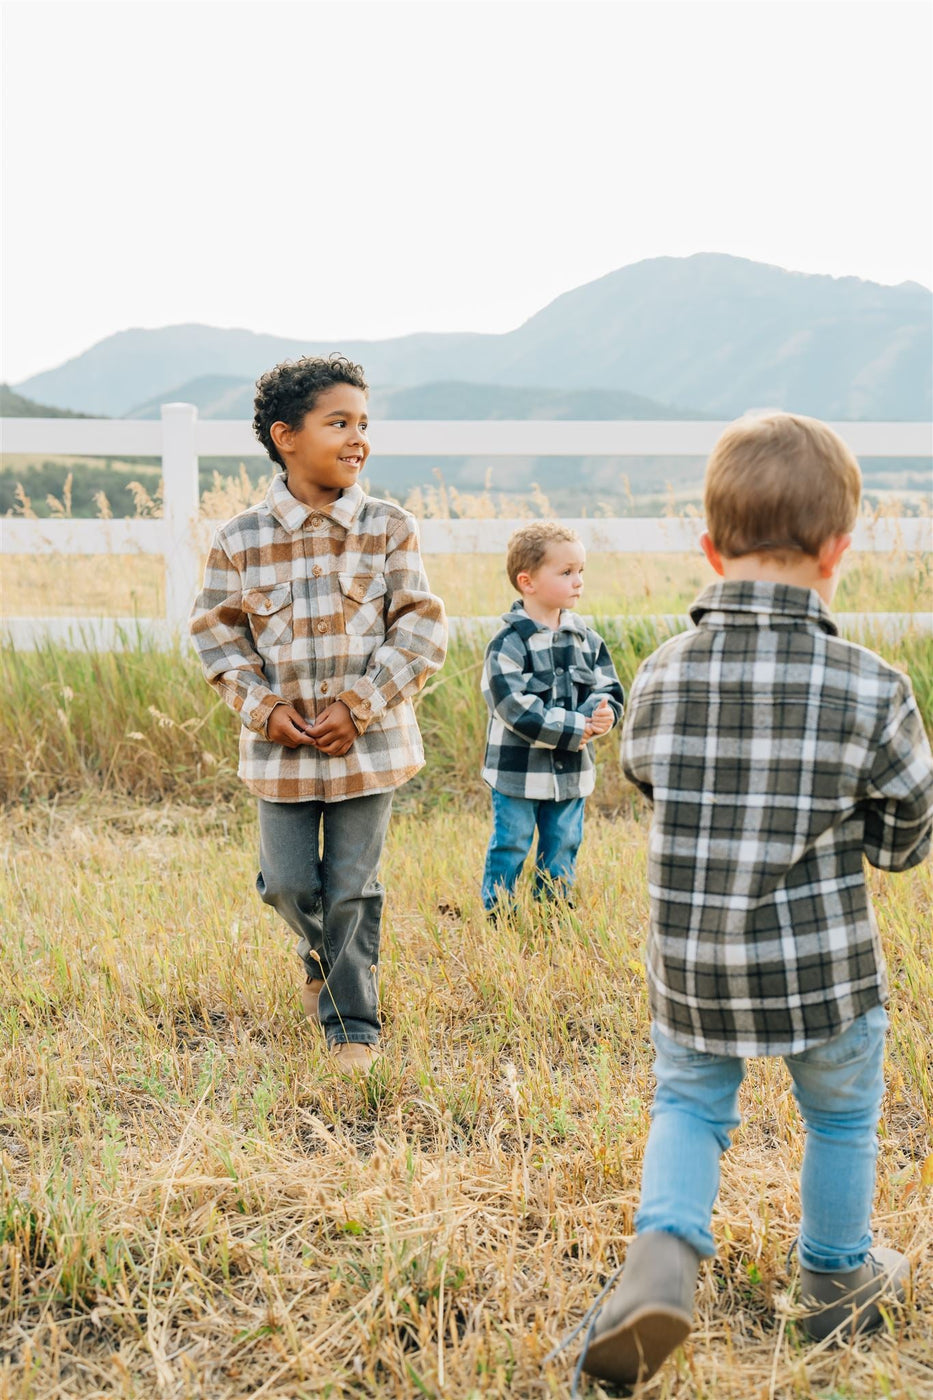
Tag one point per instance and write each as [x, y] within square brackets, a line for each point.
[135, 366]
[729, 334]
[13, 405]
[224, 396]
[454, 399]
[721, 333]
[214, 395]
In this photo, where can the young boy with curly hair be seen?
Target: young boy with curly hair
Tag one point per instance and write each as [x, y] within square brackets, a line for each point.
[551, 687]
[776, 757]
[316, 625]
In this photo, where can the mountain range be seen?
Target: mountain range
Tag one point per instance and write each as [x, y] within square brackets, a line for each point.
[13, 405]
[713, 332]
[226, 396]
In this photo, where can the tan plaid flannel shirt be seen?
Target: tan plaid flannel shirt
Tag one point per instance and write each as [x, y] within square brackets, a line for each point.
[309, 606]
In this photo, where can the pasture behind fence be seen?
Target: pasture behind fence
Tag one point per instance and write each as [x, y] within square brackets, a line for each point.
[182, 537]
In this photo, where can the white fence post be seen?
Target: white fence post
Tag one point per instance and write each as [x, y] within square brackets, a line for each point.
[181, 501]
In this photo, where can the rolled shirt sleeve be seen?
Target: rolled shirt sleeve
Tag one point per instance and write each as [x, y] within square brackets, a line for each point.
[605, 686]
[221, 636]
[638, 734]
[899, 805]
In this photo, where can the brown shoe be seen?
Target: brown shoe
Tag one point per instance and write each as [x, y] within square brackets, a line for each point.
[650, 1312]
[310, 995]
[852, 1302]
[353, 1057]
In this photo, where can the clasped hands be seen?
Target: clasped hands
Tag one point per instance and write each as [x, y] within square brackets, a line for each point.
[599, 722]
[333, 732]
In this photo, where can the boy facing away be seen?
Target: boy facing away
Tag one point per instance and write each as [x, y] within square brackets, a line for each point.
[551, 687]
[316, 625]
[775, 756]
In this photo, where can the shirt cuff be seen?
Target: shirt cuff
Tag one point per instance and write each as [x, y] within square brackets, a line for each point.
[364, 703]
[257, 709]
[579, 729]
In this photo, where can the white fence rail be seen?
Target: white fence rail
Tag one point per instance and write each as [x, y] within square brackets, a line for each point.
[182, 538]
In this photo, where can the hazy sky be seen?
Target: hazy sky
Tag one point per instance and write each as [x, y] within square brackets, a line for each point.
[354, 169]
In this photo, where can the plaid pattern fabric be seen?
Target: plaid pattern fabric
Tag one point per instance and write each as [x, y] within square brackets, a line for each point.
[776, 755]
[540, 686]
[311, 606]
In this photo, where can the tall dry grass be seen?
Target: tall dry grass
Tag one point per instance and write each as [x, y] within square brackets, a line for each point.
[122, 585]
[192, 1205]
[134, 585]
[141, 723]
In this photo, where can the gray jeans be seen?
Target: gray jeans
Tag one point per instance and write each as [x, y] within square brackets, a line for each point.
[318, 868]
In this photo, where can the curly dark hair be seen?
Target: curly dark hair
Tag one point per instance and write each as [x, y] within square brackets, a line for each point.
[285, 393]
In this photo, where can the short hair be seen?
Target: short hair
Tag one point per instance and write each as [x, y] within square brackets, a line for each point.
[285, 393]
[779, 483]
[529, 544]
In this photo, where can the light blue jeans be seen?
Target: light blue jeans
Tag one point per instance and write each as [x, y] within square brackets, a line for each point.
[838, 1086]
[560, 831]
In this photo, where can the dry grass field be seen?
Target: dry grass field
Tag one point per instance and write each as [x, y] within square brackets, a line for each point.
[194, 1206]
[628, 584]
[475, 585]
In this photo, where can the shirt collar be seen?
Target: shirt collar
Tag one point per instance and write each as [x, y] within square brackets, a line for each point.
[730, 602]
[292, 513]
[526, 626]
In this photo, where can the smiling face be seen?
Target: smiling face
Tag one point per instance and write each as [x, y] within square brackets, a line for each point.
[325, 455]
[557, 582]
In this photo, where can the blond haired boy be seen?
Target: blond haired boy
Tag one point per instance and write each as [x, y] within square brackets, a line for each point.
[551, 687]
[776, 756]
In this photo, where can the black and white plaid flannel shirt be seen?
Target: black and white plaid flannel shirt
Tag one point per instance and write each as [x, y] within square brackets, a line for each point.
[540, 686]
[776, 756]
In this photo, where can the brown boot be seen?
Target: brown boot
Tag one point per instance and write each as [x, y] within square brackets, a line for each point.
[649, 1314]
[851, 1302]
[353, 1057]
[310, 995]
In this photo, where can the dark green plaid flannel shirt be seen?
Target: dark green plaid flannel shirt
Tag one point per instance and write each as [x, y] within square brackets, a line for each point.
[776, 756]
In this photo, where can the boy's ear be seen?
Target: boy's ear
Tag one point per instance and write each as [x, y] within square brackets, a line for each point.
[712, 553]
[523, 581]
[281, 435]
[830, 554]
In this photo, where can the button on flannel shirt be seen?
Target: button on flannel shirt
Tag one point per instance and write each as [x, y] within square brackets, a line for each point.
[776, 756]
[540, 685]
[309, 606]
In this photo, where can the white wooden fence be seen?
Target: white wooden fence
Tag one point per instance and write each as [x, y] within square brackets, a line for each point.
[182, 538]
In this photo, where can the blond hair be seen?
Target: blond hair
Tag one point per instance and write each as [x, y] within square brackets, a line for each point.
[529, 544]
[779, 483]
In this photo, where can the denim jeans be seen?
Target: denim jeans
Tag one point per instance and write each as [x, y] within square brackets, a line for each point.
[838, 1086]
[328, 892]
[560, 831]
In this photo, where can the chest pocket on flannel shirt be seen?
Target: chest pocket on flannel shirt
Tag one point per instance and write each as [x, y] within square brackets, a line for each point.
[362, 596]
[270, 614]
[586, 679]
